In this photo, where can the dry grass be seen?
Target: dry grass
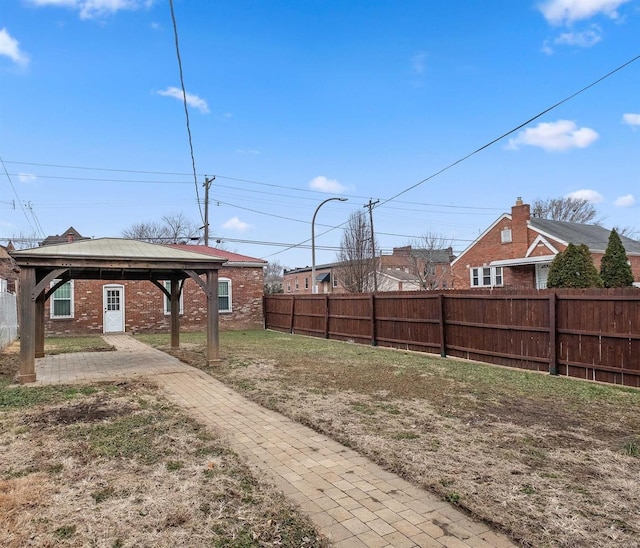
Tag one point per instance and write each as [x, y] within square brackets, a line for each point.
[115, 465]
[551, 461]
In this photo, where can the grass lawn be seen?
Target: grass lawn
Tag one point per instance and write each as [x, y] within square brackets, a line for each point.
[115, 465]
[551, 461]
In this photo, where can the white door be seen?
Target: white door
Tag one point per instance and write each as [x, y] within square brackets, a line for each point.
[113, 300]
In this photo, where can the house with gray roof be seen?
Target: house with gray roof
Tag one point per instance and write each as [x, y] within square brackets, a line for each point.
[516, 250]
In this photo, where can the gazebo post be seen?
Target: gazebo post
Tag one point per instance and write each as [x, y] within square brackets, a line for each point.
[213, 339]
[39, 326]
[27, 326]
[175, 312]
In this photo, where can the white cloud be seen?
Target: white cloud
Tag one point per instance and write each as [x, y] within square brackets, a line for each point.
[589, 195]
[625, 201]
[10, 47]
[554, 136]
[631, 119]
[92, 9]
[323, 184]
[584, 39]
[26, 177]
[565, 12]
[192, 100]
[236, 224]
[418, 62]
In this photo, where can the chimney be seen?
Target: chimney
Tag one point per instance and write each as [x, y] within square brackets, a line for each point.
[520, 215]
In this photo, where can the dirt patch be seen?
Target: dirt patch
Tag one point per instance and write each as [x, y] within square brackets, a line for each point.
[120, 466]
[550, 461]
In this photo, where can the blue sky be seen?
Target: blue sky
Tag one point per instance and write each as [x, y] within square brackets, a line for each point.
[294, 102]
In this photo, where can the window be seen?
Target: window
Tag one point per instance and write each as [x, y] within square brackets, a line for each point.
[297, 286]
[288, 287]
[167, 301]
[487, 276]
[224, 295]
[506, 236]
[334, 280]
[306, 283]
[62, 300]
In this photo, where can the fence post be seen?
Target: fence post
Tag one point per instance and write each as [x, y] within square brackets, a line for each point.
[293, 307]
[264, 312]
[443, 340]
[553, 332]
[374, 338]
[326, 315]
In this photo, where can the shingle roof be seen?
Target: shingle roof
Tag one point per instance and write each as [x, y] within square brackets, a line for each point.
[400, 275]
[115, 247]
[595, 237]
[230, 256]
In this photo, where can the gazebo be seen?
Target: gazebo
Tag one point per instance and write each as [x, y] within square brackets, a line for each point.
[44, 269]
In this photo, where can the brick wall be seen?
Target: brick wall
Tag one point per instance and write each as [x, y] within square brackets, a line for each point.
[144, 305]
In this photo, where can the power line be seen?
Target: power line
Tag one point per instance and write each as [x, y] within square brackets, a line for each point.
[520, 126]
[186, 109]
[18, 198]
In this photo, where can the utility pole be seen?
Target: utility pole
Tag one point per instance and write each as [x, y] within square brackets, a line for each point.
[370, 205]
[207, 186]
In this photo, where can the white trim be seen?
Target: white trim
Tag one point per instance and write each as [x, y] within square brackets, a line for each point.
[491, 227]
[121, 324]
[523, 261]
[52, 315]
[540, 239]
[493, 276]
[230, 296]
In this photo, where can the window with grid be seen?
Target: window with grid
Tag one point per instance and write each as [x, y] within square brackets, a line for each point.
[224, 295]
[62, 300]
[486, 276]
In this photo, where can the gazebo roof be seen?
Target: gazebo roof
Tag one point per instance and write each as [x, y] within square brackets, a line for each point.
[116, 258]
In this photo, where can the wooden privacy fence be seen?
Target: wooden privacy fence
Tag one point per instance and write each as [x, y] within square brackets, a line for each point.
[589, 334]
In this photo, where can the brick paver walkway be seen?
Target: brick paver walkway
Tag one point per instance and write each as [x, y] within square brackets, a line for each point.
[351, 500]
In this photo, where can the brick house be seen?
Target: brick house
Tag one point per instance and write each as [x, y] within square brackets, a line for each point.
[298, 280]
[78, 306]
[8, 269]
[405, 269]
[431, 267]
[517, 250]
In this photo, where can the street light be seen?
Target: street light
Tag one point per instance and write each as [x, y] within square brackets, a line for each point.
[314, 287]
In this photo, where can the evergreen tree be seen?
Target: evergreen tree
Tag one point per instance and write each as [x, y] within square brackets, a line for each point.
[573, 268]
[615, 270]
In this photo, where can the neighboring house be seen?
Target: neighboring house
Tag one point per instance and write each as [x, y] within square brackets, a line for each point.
[298, 280]
[398, 280]
[78, 306]
[517, 250]
[68, 236]
[8, 269]
[432, 267]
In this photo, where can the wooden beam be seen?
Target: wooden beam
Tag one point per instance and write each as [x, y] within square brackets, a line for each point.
[27, 326]
[176, 289]
[213, 338]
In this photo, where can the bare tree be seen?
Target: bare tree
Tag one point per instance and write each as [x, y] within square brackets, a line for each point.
[181, 229]
[174, 228]
[628, 231]
[273, 278]
[572, 210]
[429, 259]
[356, 258]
